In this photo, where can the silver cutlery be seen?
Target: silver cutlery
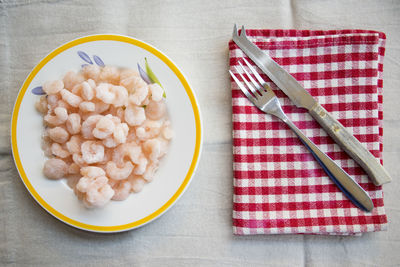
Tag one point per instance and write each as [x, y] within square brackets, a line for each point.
[301, 98]
[262, 96]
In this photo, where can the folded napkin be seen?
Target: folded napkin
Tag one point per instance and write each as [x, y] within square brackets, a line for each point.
[279, 188]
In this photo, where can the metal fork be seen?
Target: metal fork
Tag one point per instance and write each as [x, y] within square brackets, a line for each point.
[264, 98]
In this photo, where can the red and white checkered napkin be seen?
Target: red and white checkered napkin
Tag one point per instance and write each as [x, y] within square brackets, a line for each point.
[279, 188]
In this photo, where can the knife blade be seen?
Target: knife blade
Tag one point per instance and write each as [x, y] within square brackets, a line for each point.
[302, 99]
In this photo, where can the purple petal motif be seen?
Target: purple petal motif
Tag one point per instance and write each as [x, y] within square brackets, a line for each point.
[38, 91]
[98, 61]
[143, 74]
[85, 57]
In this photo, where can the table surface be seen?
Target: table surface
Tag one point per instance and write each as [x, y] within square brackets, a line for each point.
[197, 230]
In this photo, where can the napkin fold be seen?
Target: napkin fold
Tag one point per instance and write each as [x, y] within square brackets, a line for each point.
[279, 188]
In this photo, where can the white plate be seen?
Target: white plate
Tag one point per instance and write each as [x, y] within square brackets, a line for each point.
[177, 167]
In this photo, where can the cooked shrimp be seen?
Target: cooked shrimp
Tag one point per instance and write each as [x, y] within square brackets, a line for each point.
[109, 142]
[100, 107]
[134, 115]
[72, 78]
[104, 93]
[53, 87]
[120, 133]
[73, 168]
[156, 92]
[87, 106]
[132, 83]
[52, 101]
[92, 172]
[55, 168]
[140, 167]
[152, 148]
[92, 152]
[118, 173]
[70, 98]
[149, 129]
[91, 72]
[148, 175]
[122, 190]
[73, 123]
[61, 115]
[74, 144]
[88, 125]
[41, 105]
[58, 134]
[167, 133]
[156, 110]
[87, 91]
[127, 73]
[59, 151]
[137, 183]
[104, 127]
[97, 191]
[139, 95]
[121, 96]
[110, 74]
[77, 158]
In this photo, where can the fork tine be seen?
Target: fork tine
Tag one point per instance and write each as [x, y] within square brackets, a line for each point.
[258, 77]
[251, 87]
[256, 85]
[235, 31]
[243, 32]
[242, 88]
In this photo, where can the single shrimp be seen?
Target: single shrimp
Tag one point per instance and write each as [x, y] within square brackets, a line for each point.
[61, 115]
[134, 115]
[104, 127]
[101, 107]
[121, 96]
[120, 133]
[87, 106]
[91, 72]
[151, 169]
[128, 151]
[53, 87]
[110, 74]
[73, 123]
[88, 125]
[70, 98]
[149, 129]
[156, 110]
[92, 151]
[152, 148]
[55, 168]
[139, 95]
[118, 173]
[87, 91]
[156, 92]
[137, 183]
[166, 131]
[58, 151]
[58, 134]
[97, 191]
[52, 101]
[72, 78]
[141, 166]
[74, 144]
[77, 158]
[104, 93]
[122, 190]
[41, 105]
[132, 83]
[92, 172]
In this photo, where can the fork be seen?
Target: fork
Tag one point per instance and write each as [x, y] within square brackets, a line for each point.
[262, 96]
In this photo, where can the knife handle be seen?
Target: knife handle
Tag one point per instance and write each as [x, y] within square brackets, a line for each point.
[351, 145]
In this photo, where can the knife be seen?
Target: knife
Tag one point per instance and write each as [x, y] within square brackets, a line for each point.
[302, 99]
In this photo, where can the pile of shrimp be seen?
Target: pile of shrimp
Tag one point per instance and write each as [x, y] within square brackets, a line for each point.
[106, 130]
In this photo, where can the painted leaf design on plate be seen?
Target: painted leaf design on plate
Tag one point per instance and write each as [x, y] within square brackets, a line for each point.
[38, 91]
[85, 57]
[98, 61]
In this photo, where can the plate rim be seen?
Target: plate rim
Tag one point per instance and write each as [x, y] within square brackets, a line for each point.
[198, 141]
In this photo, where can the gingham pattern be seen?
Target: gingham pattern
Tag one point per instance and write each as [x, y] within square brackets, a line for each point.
[278, 186]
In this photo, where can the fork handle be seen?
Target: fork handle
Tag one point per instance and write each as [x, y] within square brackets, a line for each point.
[347, 185]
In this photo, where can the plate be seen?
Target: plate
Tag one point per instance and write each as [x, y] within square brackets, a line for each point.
[176, 169]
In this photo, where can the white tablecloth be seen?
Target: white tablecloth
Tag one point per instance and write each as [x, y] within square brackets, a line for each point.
[197, 230]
